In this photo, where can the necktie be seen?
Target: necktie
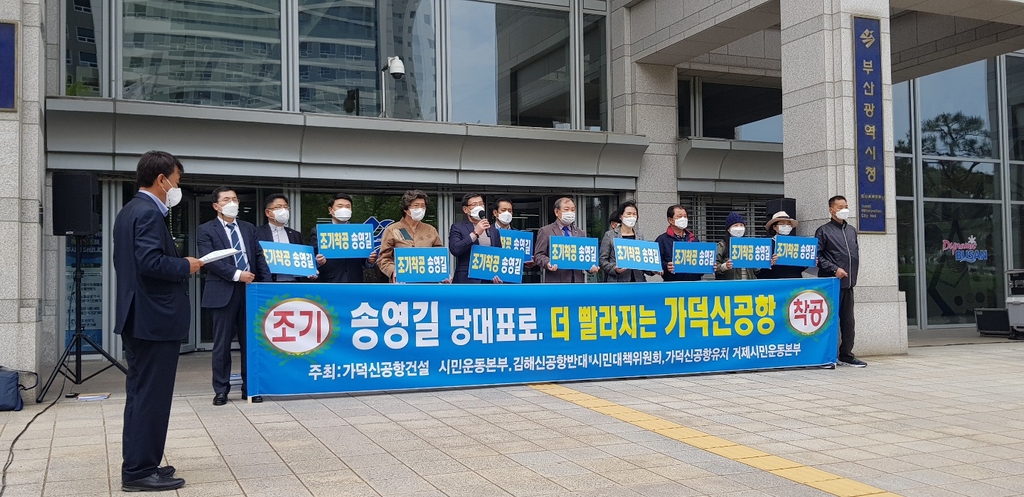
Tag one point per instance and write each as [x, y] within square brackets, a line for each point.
[236, 243]
[565, 229]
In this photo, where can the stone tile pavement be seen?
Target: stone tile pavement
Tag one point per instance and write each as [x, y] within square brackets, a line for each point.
[941, 421]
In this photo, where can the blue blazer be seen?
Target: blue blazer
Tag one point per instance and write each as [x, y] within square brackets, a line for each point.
[460, 244]
[152, 281]
[218, 288]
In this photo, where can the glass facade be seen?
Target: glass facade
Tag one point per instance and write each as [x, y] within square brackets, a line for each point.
[736, 112]
[510, 65]
[513, 69]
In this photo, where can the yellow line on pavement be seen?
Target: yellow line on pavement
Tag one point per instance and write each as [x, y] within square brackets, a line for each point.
[794, 471]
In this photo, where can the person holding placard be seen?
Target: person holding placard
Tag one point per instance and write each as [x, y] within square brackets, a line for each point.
[475, 230]
[736, 227]
[678, 231]
[780, 224]
[340, 270]
[224, 290]
[410, 231]
[503, 221]
[278, 213]
[564, 225]
[626, 229]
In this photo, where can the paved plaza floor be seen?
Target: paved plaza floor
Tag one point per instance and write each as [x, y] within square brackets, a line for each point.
[944, 420]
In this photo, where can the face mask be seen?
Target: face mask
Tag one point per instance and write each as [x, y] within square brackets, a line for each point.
[785, 229]
[505, 217]
[343, 214]
[281, 215]
[738, 231]
[843, 213]
[173, 196]
[417, 214]
[477, 212]
[629, 221]
[568, 217]
[682, 223]
[230, 210]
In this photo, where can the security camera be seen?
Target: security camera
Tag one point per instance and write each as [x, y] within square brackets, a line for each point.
[396, 67]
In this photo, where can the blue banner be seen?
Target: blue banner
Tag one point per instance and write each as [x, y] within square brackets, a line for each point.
[694, 257]
[637, 254]
[421, 265]
[333, 338]
[870, 131]
[8, 66]
[750, 252]
[796, 251]
[518, 240]
[289, 258]
[344, 241]
[487, 262]
[573, 252]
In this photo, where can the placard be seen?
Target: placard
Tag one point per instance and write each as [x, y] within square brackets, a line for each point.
[637, 254]
[573, 252]
[796, 251]
[487, 262]
[289, 258]
[694, 257]
[421, 265]
[344, 241]
[518, 240]
[753, 253]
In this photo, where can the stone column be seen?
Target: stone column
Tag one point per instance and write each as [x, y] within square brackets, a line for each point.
[818, 106]
[21, 185]
[644, 103]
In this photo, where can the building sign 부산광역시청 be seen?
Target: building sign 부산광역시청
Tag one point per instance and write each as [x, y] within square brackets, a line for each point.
[333, 338]
[8, 66]
[869, 125]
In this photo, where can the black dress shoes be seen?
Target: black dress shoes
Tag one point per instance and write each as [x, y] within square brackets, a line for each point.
[165, 471]
[153, 483]
[256, 399]
[220, 399]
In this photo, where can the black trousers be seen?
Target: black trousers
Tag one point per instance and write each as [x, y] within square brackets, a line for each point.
[847, 324]
[228, 321]
[149, 386]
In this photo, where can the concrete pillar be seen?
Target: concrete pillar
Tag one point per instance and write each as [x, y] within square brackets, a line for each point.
[644, 102]
[818, 105]
[21, 187]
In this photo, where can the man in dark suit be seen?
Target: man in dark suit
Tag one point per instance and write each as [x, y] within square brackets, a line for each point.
[340, 270]
[224, 291]
[278, 213]
[153, 316]
[475, 230]
[564, 225]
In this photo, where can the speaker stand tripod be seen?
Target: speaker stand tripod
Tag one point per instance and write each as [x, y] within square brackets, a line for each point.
[76, 341]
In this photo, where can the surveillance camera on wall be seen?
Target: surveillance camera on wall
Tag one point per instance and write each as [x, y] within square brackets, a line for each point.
[396, 67]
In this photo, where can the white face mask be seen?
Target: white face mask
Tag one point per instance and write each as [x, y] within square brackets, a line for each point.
[785, 229]
[417, 214]
[843, 213]
[343, 214]
[629, 221]
[682, 223]
[281, 215]
[568, 217]
[230, 210]
[173, 196]
[505, 217]
[477, 212]
[738, 231]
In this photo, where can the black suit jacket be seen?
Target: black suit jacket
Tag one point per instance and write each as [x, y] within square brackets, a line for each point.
[152, 281]
[460, 244]
[338, 270]
[264, 234]
[219, 286]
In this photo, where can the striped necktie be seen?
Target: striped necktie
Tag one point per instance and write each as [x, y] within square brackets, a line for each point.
[236, 243]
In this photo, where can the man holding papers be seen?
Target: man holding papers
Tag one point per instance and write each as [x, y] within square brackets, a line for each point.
[224, 291]
[153, 315]
[475, 230]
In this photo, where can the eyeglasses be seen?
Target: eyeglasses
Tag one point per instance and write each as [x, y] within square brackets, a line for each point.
[227, 200]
